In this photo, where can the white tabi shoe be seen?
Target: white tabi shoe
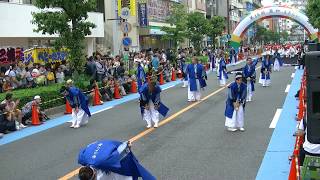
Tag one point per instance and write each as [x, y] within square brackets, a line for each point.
[156, 125]
[149, 126]
[76, 126]
[72, 126]
[232, 129]
[242, 129]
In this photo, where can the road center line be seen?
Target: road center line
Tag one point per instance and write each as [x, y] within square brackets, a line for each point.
[162, 123]
[275, 118]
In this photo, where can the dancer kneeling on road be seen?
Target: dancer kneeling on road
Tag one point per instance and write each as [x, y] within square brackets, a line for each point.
[79, 103]
[237, 92]
[150, 103]
[110, 160]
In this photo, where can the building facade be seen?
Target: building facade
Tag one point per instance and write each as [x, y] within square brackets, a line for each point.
[18, 31]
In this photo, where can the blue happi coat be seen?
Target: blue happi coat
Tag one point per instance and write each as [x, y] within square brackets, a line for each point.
[196, 73]
[146, 97]
[222, 69]
[141, 76]
[114, 156]
[235, 93]
[249, 71]
[265, 69]
[277, 55]
[77, 99]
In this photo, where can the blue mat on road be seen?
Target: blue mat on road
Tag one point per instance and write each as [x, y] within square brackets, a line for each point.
[275, 164]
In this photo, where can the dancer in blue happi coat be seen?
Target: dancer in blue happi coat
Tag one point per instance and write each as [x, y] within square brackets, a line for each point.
[79, 103]
[141, 75]
[196, 76]
[249, 77]
[150, 102]
[236, 99]
[277, 61]
[183, 68]
[222, 70]
[212, 60]
[265, 78]
[233, 56]
[110, 160]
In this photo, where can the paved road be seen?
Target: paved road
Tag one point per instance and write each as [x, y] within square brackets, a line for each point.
[194, 145]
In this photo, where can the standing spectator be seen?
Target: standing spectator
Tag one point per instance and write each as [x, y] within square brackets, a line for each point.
[91, 68]
[59, 75]
[100, 68]
[155, 62]
[12, 111]
[27, 110]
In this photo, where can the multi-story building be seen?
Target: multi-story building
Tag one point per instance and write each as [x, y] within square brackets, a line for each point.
[250, 6]
[18, 31]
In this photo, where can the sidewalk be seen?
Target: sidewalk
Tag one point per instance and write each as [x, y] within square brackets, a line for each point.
[275, 164]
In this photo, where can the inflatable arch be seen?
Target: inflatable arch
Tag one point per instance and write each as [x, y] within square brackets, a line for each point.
[269, 12]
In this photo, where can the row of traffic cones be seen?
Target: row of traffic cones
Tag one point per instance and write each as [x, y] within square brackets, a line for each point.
[96, 97]
[294, 173]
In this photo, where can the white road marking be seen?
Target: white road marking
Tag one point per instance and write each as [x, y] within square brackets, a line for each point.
[103, 110]
[292, 75]
[168, 87]
[275, 118]
[287, 88]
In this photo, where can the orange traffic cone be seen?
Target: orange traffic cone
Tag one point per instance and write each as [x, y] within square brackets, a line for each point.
[35, 116]
[116, 91]
[96, 97]
[161, 79]
[293, 174]
[173, 75]
[68, 108]
[133, 87]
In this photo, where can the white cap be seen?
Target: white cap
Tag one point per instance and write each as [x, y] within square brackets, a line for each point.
[37, 97]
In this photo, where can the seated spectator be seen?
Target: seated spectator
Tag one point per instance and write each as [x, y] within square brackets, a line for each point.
[5, 125]
[12, 111]
[50, 76]
[7, 86]
[127, 82]
[120, 86]
[22, 75]
[29, 78]
[59, 76]
[105, 90]
[27, 110]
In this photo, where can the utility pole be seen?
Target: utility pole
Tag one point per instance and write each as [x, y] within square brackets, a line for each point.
[228, 16]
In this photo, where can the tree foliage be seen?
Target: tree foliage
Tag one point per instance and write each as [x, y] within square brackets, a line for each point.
[69, 21]
[197, 27]
[178, 23]
[216, 26]
[313, 12]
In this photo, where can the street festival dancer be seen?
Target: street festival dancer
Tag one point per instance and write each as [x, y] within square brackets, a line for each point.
[249, 77]
[265, 78]
[141, 75]
[236, 99]
[222, 70]
[277, 63]
[233, 56]
[150, 102]
[110, 160]
[79, 103]
[196, 77]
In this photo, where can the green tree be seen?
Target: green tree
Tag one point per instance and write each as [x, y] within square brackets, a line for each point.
[178, 23]
[216, 26]
[69, 21]
[260, 33]
[313, 13]
[284, 35]
[197, 27]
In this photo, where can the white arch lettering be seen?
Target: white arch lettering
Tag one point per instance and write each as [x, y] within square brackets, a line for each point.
[272, 11]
